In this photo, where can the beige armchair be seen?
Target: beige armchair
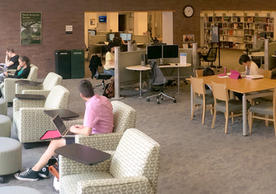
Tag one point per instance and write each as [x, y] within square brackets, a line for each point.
[124, 118]
[29, 116]
[8, 86]
[50, 81]
[133, 168]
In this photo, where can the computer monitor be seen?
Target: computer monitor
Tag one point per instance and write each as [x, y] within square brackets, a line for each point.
[170, 51]
[154, 52]
[125, 36]
[111, 37]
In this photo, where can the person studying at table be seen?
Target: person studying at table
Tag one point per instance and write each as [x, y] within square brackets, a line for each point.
[109, 60]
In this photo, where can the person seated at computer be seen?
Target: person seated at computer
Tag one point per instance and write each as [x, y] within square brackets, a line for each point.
[109, 60]
[98, 119]
[22, 71]
[11, 59]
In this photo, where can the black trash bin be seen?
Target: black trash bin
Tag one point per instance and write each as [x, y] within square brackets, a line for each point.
[77, 63]
[63, 63]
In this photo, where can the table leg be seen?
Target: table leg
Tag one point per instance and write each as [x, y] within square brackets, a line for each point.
[178, 80]
[244, 117]
[192, 100]
[140, 84]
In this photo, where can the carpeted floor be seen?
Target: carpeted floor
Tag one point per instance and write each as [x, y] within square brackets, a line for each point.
[194, 158]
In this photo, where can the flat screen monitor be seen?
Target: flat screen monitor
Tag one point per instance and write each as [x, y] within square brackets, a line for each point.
[170, 51]
[125, 36]
[102, 19]
[111, 37]
[154, 52]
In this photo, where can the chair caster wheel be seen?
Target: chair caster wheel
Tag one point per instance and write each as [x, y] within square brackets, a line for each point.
[174, 101]
[148, 99]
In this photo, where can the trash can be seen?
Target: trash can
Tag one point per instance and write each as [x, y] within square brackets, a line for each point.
[77, 63]
[63, 63]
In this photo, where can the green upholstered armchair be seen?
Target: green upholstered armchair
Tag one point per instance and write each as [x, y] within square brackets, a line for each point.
[124, 117]
[8, 86]
[50, 81]
[29, 116]
[133, 168]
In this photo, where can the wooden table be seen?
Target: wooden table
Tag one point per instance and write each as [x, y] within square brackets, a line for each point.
[244, 86]
[142, 68]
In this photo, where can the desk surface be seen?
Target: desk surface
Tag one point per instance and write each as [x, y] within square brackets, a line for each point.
[83, 154]
[242, 85]
[257, 54]
[147, 67]
[63, 113]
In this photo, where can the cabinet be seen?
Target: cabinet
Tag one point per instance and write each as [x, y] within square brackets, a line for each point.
[237, 31]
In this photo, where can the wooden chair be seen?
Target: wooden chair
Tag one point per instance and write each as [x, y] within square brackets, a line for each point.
[266, 73]
[266, 108]
[200, 97]
[223, 104]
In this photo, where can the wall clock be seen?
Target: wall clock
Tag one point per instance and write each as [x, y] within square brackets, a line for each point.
[188, 11]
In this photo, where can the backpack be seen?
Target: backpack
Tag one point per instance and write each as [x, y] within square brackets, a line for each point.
[208, 71]
[109, 89]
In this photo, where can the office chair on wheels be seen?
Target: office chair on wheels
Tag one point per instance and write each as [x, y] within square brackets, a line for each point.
[157, 83]
[95, 62]
[210, 57]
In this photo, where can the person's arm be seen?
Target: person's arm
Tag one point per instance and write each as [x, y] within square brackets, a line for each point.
[6, 58]
[80, 130]
[23, 75]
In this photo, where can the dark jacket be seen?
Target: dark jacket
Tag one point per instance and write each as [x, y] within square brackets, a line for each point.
[23, 75]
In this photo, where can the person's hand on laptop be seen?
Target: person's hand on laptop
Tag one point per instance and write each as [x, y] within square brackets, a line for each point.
[80, 130]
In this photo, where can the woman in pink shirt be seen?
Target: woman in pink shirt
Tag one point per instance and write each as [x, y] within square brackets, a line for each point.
[98, 118]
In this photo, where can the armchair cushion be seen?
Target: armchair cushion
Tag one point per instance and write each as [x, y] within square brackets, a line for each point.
[265, 108]
[57, 98]
[51, 80]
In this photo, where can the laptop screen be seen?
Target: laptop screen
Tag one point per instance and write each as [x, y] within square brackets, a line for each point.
[59, 124]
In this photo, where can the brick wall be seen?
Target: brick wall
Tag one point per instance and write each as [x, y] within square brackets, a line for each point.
[57, 14]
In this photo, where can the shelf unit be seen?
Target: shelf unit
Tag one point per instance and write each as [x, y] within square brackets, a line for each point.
[237, 30]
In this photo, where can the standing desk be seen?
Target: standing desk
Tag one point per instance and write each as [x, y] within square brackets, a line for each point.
[244, 86]
[142, 68]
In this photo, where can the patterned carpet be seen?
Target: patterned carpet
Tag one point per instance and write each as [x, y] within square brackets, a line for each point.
[194, 158]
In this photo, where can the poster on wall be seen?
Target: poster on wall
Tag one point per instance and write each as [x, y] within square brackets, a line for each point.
[30, 28]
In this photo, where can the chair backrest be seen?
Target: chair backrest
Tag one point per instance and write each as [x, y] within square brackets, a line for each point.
[124, 116]
[220, 92]
[136, 155]
[199, 72]
[157, 77]
[51, 80]
[198, 86]
[212, 54]
[33, 73]
[57, 98]
[265, 73]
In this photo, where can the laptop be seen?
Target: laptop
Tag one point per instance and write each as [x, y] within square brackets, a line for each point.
[59, 133]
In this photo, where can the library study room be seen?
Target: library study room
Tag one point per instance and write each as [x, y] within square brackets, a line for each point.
[169, 97]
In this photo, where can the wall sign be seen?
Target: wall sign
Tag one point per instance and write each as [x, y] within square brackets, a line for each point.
[68, 29]
[30, 28]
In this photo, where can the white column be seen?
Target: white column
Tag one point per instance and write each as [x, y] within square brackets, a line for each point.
[116, 73]
[167, 27]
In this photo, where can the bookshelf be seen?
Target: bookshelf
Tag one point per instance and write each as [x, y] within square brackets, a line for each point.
[237, 30]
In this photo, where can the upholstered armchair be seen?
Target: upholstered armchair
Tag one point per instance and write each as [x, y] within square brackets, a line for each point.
[29, 116]
[50, 81]
[124, 117]
[133, 168]
[8, 86]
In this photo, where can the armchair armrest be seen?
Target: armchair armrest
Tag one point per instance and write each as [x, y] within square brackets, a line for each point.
[68, 166]
[21, 103]
[9, 89]
[41, 92]
[20, 87]
[107, 141]
[139, 184]
[32, 123]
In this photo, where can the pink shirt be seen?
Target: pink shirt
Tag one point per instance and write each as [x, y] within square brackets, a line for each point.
[98, 115]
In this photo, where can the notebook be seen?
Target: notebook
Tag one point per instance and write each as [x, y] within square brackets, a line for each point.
[56, 134]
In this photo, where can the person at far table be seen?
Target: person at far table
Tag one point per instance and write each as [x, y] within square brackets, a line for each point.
[22, 70]
[98, 119]
[109, 60]
[251, 68]
[11, 59]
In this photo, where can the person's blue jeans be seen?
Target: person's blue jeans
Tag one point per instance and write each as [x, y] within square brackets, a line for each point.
[109, 72]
